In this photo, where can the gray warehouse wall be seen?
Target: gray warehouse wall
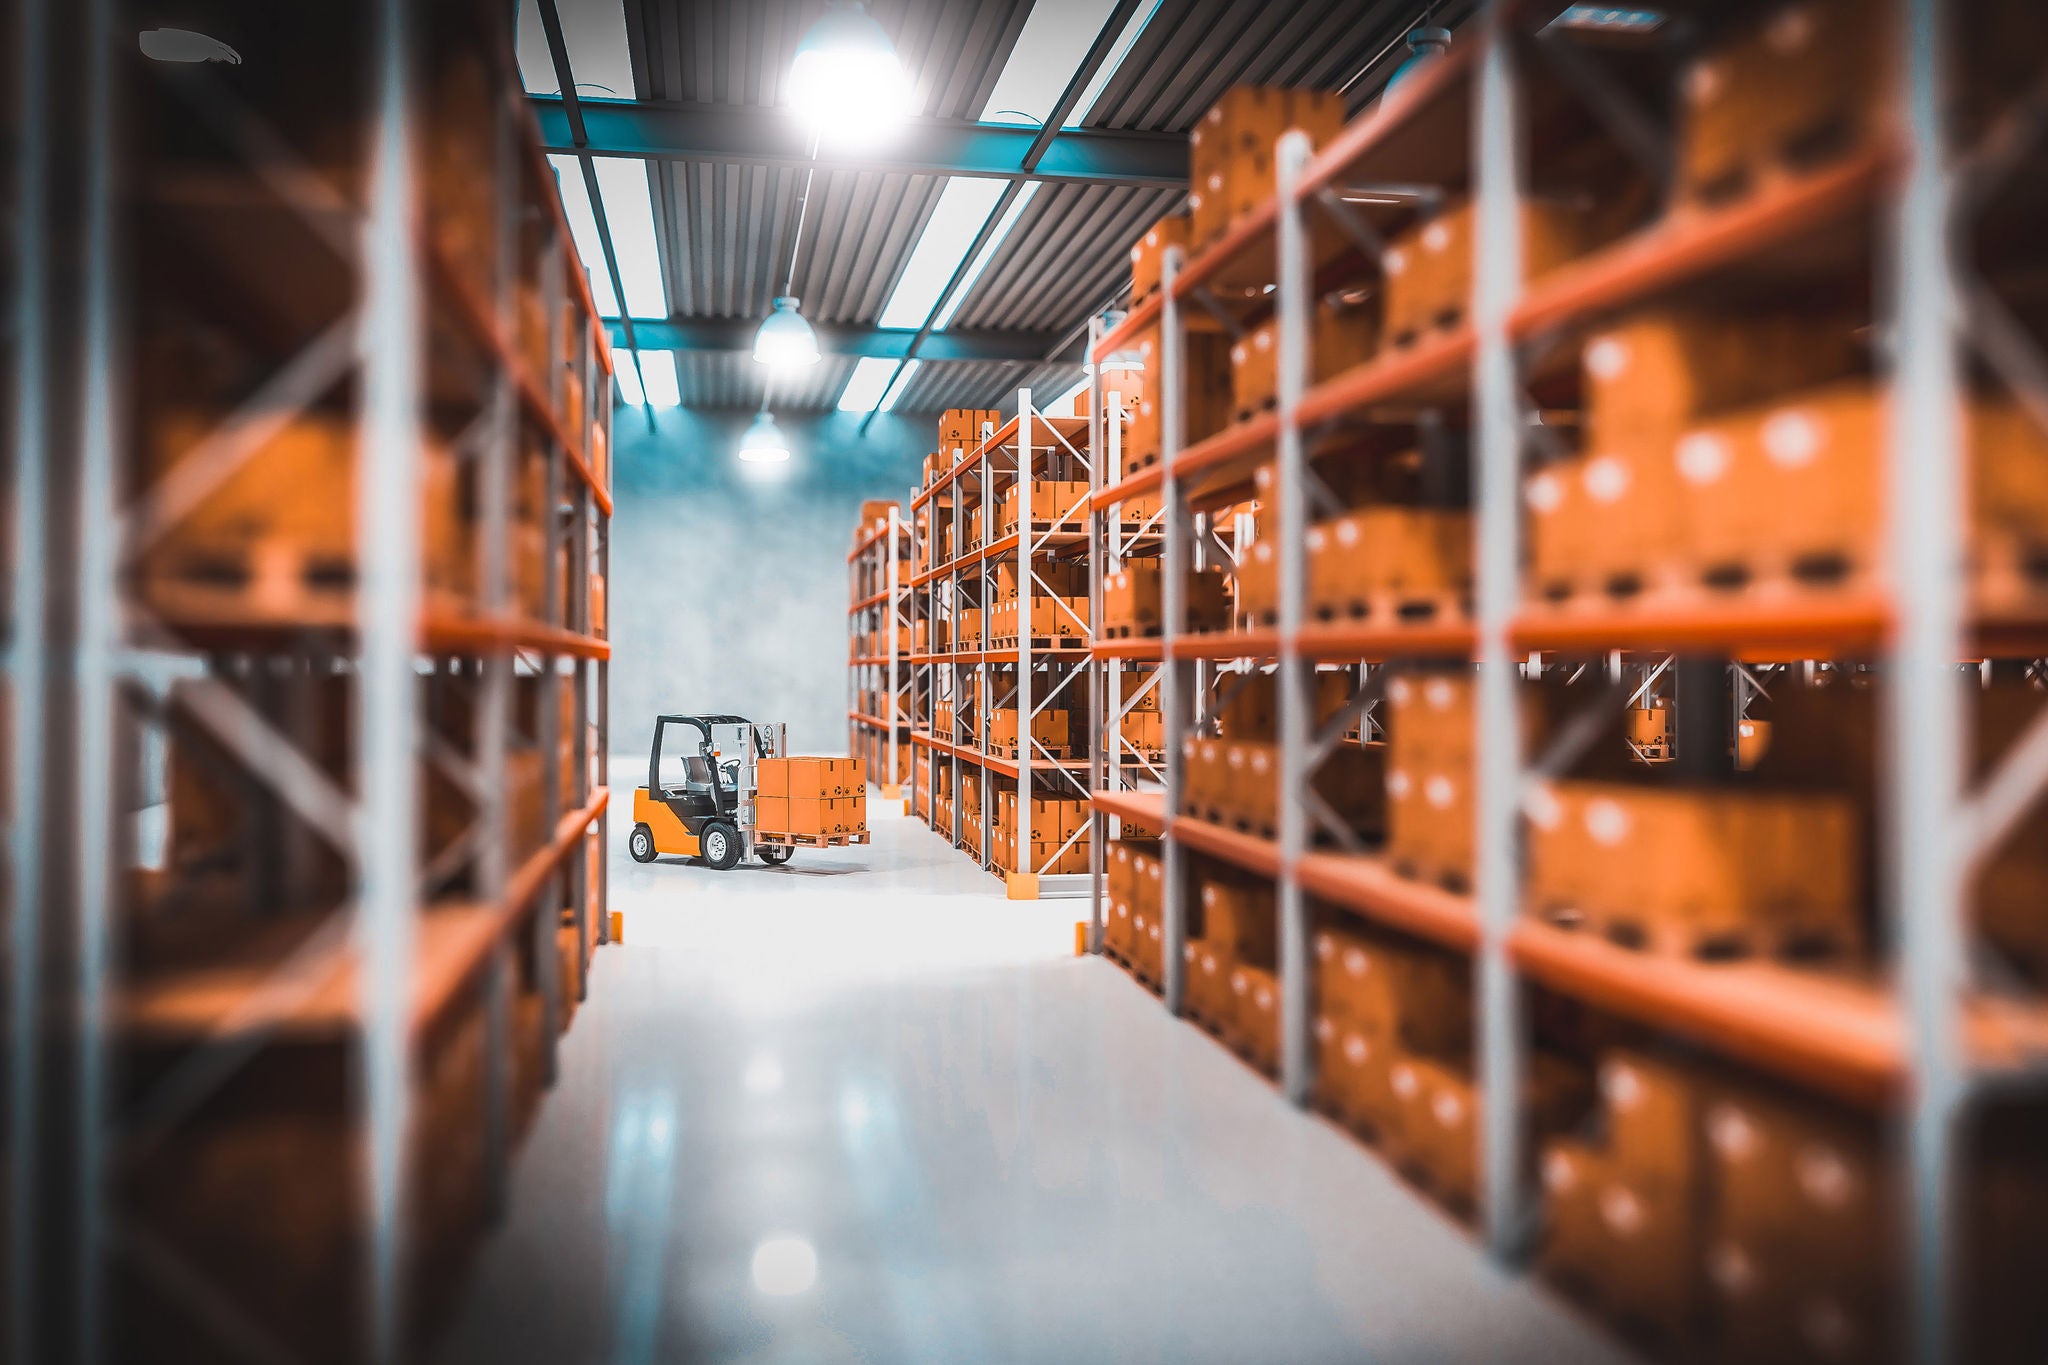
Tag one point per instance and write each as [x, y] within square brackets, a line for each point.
[728, 584]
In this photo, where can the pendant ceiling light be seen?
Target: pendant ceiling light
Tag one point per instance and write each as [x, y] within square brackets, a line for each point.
[846, 83]
[786, 341]
[763, 443]
[1425, 44]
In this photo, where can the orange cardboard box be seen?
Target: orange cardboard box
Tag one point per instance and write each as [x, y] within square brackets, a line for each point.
[808, 777]
[771, 813]
[1148, 254]
[771, 777]
[809, 815]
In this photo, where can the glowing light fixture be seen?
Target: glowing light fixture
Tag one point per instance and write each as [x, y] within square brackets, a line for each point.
[764, 443]
[846, 83]
[786, 341]
[785, 1265]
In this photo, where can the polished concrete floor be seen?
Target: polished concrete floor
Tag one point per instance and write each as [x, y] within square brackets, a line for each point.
[864, 1109]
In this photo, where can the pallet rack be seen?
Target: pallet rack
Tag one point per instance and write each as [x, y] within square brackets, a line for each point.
[879, 707]
[1919, 1045]
[1030, 674]
[422, 313]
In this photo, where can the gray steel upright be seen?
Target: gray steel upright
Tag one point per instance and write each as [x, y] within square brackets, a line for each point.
[1296, 676]
[1107, 726]
[97, 845]
[1924, 718]
[388, 551]
[1027, 591]
[27, 676]
[1179, 695]
[494, 709]
[1497, 268]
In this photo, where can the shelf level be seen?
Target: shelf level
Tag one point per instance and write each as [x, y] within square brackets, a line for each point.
[1372, 889]
[1377, 644]
[1684, 245]
[241, 992]
[1261, 856]
[1234, 644]
[1147, 808]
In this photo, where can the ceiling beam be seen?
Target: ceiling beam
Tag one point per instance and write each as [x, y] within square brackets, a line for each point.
[888, 343]
[658, 131]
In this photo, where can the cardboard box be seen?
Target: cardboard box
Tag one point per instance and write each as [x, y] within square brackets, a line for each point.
[1803, 87]
[1206, 356]
[1255, 1016]
[771, 815]
[1230, 151]
[1148, 253]
[1390, 565]
[1241, 921]
[1428, 269]
[962, 429]
[1053, 501]
[1340, 338]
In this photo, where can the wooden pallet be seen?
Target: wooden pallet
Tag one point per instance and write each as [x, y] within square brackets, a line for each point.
[1038, 642]
[1129, 632]
[1059, 751]
[1452, 880]
[1446, 321]
[1394, 609]
[1791, 939]
[810, 840]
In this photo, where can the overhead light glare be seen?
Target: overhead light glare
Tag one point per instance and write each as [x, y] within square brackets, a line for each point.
[846, 84]
[763, 443]
[1610, 19]
[785, 341]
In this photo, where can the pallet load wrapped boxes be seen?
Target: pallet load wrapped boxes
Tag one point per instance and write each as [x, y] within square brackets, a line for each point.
[820, 800]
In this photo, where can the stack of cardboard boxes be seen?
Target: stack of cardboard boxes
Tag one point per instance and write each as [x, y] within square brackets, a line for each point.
[1716, 1208]
[1133, 602]
[1134, 898]
[811, 796]
[1054, 820]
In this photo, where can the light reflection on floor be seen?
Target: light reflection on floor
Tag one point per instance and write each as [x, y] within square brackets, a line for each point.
[865, 1109]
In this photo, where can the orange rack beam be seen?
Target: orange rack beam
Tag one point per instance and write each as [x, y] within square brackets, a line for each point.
[1147, 808]
[1231, 644]
[1684, 245]
[1240, 850]
[1370, 887]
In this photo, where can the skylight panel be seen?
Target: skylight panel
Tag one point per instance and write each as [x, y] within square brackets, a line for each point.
[594, 34]
[867, 385]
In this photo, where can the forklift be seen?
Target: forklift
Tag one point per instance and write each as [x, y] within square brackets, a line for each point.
[709, 814]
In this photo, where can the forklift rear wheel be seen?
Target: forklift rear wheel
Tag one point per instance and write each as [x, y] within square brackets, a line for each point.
[775, 855]
[720, 844]
[641, 844]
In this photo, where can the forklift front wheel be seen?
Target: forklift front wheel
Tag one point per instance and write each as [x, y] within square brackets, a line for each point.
[641, 845]
[775, 855]
[720, 844]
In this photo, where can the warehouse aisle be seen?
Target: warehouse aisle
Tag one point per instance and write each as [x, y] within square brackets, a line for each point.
[865, 1109]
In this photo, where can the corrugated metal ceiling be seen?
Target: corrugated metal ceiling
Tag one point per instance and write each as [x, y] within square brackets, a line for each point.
[725, 230]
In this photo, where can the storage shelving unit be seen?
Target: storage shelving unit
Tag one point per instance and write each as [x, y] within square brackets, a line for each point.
[313, 832]
[879, 708]
[1029, 674]
[1917, 1041]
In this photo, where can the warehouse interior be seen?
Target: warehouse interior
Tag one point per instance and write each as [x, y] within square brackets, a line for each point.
[1028, 680]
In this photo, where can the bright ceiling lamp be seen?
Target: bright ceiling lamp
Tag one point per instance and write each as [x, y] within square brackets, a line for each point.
[786, 341]
[763, 443]
[846, 83]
